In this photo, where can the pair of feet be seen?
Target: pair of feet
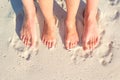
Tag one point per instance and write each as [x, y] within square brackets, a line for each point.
[90, 36]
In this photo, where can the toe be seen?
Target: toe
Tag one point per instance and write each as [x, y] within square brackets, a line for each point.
[49, 44]
[70, 45]
[73, 45]
[85, 46]
[67, 44]
[23, 39]
[97, 41]
[89, 44]
[85, 43]
[92, 43]
[53, 43]
[44, 41]
[28, 41]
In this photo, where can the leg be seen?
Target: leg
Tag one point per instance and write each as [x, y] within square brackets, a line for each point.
[27, 31]
[90, 34]
[48, 35]
[71, 36]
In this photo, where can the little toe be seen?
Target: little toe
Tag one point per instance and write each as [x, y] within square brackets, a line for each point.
[91, 45]
[29, 43]
[85, 48]
[27, 39]
[48, 44]
[75, 44]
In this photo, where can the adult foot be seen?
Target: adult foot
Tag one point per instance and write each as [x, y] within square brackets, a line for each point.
[49, 31]
[27, 33]
[90, 36]
[71, 36]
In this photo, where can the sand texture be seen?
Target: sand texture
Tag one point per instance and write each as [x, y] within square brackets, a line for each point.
[18, 62]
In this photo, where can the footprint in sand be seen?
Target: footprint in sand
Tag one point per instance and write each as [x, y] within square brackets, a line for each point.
[22, 51]
[116, 15]
[104, 53]
[113, 2]
[16, 43]
[78, 54]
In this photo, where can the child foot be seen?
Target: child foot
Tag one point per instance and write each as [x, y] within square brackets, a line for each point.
[27, 33]
[71, 36]
[90, 36]
[48, 36]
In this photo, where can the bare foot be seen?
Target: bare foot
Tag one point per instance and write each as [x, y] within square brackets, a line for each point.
[28, 31]
[71, 36]
[90, 36]
[48, 35]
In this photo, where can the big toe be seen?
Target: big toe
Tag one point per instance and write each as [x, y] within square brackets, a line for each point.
[85, 45]
[53, 44]
[70, 45]
[67, 44]
[97, 40]
[44, 40]
[29, 41]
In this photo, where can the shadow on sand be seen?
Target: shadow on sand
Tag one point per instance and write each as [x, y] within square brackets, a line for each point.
[58, 11]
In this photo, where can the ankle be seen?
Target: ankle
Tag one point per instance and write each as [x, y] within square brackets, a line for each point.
[70, 22]
[50, 20]
[29, 17]
[90, 17]
[90, 13]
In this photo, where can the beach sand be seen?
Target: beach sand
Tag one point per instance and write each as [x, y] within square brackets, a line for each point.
[18, 62]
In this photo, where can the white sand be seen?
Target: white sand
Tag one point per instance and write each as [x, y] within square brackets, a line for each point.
[58, 63]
